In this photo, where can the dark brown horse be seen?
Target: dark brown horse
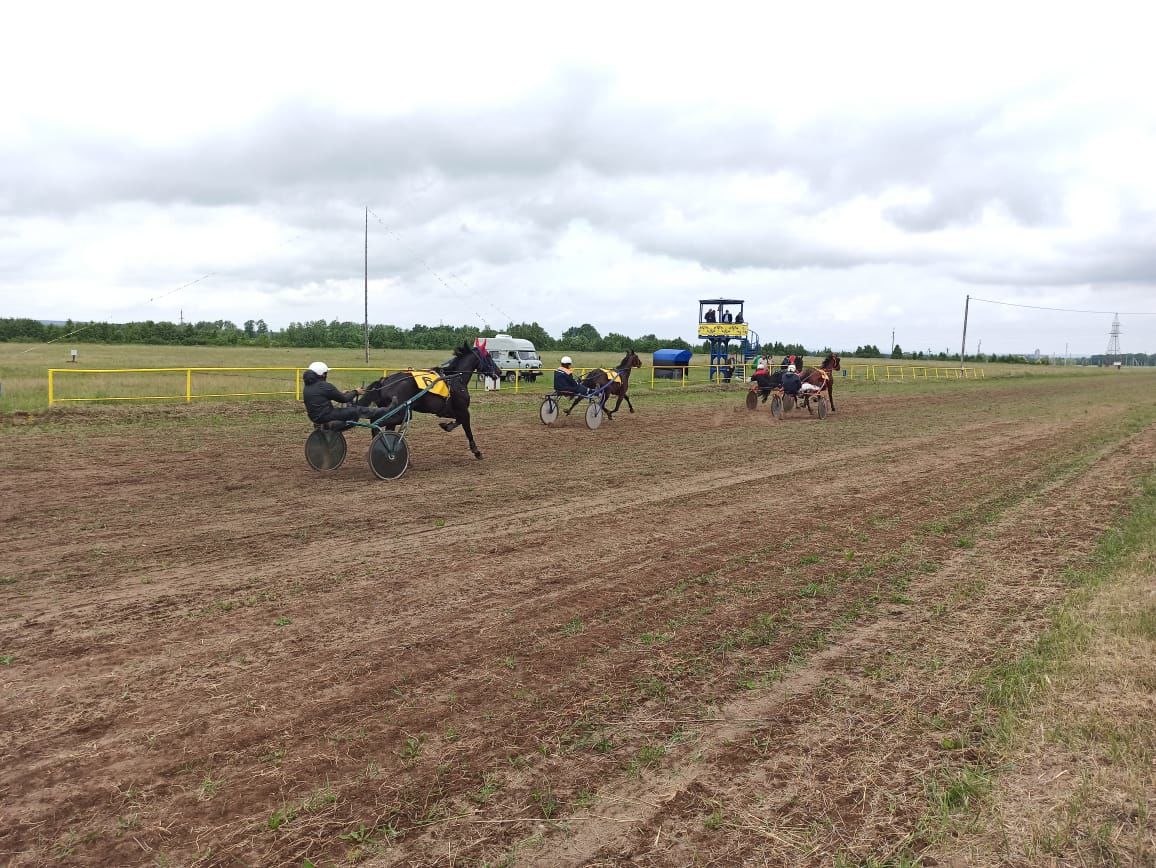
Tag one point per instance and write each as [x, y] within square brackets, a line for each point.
[821, 377]
[618, 379]
[762, 384]
[453, 402]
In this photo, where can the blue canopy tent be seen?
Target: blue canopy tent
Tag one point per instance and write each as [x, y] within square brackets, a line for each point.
[671, 364]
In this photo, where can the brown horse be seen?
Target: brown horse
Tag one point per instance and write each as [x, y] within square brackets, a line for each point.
[618, 379]
[822, 377]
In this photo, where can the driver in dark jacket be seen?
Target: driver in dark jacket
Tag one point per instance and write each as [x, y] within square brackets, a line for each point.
[565, 383]
[319, 396]
[790, 381]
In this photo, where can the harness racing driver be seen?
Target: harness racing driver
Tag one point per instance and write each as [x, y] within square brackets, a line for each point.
[791, 382]
[319, 396]
[565, 383]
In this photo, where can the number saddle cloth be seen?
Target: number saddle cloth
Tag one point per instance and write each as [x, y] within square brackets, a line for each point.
[431, 380]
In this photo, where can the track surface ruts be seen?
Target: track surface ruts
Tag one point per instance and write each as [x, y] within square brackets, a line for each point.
[694, 635]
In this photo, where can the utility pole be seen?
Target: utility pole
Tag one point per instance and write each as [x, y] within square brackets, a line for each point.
[366, 326]
[893, 340]
[963, 343]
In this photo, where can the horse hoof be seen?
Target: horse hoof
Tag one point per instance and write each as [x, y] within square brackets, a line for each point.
[478, 455]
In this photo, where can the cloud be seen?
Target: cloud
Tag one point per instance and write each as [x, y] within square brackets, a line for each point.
[583, 184]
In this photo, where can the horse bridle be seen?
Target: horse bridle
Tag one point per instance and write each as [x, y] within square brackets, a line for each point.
[477, 351]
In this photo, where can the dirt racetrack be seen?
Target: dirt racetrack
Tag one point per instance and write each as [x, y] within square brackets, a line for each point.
[694, 636]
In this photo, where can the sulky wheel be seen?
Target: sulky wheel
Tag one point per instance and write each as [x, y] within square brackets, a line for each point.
[548, 412]
[822, 405]
[388, 455]
[594, 415]
[752, 400]
[325, 450]
[777, 406]
[789, 402]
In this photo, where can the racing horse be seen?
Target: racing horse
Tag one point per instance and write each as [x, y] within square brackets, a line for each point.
[762, 384]
[822, 377]
[449, 398]
[618, 379]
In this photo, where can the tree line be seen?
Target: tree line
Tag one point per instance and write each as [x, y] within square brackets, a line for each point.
[872, 351]
[320, 333]
[351, 335]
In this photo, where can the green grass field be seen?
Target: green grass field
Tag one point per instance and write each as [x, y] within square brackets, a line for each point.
[24, 372]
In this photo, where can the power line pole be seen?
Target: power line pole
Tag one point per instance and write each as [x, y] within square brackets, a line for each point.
[1113, 341]
[963, 343]
[366, 326]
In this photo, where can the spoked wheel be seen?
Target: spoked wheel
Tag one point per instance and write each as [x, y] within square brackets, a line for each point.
[822, 404]
[777, 406]
[388, 455]
[325, 450]
[789, 402]
[548, 412]
[594, 415]
[752, 400]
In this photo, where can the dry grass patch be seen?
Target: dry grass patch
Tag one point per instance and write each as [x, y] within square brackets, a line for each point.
[1076, 750]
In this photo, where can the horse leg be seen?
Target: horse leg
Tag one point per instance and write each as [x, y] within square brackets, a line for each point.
[449, 426]
[572, 403]
[605, 408]
[626, 398]
[464, 421]
[831, 397]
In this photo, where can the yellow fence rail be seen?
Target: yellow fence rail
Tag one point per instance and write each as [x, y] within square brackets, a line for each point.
[189, 394]
[660, 376]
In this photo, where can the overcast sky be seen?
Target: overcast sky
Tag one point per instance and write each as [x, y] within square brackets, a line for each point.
[848, 169]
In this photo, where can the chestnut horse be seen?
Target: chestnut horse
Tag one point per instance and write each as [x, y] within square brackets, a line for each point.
[822, 377]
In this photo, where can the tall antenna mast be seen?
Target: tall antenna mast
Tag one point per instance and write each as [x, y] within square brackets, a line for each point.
[1113, 341]
[366, 324]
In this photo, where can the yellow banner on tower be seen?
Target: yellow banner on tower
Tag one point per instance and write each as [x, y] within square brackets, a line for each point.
[722, 329]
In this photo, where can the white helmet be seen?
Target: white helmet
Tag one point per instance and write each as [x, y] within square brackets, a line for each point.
[791, 368]
[319, 368]
[566, 360]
